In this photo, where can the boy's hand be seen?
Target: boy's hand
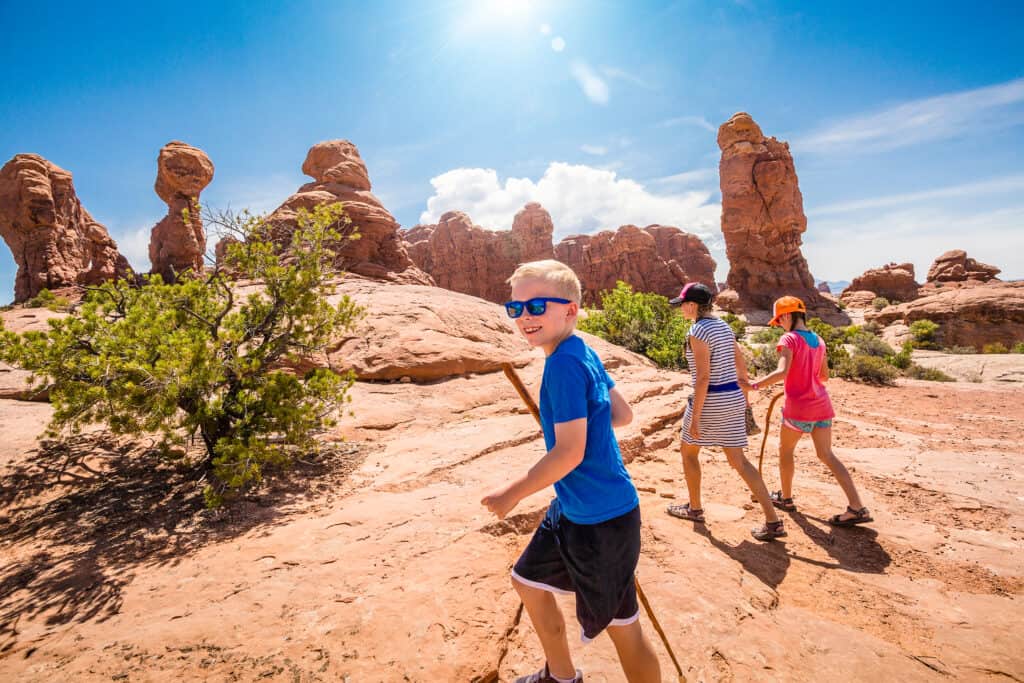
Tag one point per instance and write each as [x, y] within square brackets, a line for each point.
[695, 428]
[500, 501]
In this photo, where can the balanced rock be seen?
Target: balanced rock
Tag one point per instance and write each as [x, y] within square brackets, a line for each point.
[762, 219]
[658, 259]
[340, 176]
[894, 281]
[467, 258]
[54, 240]
[956, 266]
[178, 242]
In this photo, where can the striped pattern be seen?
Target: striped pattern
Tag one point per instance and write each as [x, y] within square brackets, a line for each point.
[723, 420]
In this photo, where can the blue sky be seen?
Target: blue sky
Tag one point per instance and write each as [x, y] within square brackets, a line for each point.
[906, 120]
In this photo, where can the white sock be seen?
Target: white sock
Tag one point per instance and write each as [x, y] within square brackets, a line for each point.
[562, 680]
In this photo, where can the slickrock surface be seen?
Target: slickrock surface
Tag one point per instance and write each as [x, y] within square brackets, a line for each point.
[53, 239]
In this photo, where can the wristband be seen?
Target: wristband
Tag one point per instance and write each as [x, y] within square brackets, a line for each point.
[755, 386]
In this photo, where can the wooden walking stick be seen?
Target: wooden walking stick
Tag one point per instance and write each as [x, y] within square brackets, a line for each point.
[513, 377]
[764, 438]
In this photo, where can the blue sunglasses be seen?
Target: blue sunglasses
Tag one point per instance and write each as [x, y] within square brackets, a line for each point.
[536, 306]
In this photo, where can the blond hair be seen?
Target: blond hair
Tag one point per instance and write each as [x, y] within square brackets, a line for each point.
[557, 274]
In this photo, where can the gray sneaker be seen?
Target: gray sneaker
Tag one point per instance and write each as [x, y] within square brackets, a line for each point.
[544, 676]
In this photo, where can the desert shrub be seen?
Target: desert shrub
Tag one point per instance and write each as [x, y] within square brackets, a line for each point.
[964, 350]
[868, 344]
[47, 299]
[1018, 347]
[863, 368]
[641, 322]
[770, 335]
[188, 359]
[915, 371]
[841, 304]
[924, 334]
[902, 360]
[834, 340]
[879, 302]
[761, 360]
[995, 347]
[738, 325]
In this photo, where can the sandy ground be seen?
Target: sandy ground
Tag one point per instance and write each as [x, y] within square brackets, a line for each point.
[377, 563]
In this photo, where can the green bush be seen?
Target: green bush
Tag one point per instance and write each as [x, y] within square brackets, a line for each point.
[190, 358]
[1018, 347]
[834, 340]
[995, 347]
[924, 334]
[738, 325]
[868, 344]
[641, 322]
[915, 371]
[761, 360]
[47, 299]
[879, 302]
[770, 335]
[869, 369]
[902, 360]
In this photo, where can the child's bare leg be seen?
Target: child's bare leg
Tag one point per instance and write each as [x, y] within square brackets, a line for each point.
[788, 439]
[691, 470]
[739, 462]
[550, 627]
[639, 662]
[822, 437]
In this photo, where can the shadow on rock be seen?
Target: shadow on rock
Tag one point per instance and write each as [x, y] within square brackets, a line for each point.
[769, 562]
[89, 510]
[855, 549]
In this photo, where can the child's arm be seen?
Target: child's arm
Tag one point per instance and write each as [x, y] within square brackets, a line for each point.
[622, 414]
[570, 443]
[823, 374]
[785, 362]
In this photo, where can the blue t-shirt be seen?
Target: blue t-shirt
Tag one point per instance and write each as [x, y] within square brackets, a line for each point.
[576, 385]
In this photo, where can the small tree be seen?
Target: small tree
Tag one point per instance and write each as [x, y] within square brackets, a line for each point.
[189, 359]
[641, 322]
[924, 333]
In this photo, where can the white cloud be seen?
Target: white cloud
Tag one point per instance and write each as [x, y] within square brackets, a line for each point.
[580, 198]
[698, 121]
[134, 244]
[593, 86]
[991, 186]
[545, 29]
[924, 120]
[558, 43]
[696, 177]
[596, 150]
[615, 72]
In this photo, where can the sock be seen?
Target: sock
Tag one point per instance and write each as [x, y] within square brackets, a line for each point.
[562, 680]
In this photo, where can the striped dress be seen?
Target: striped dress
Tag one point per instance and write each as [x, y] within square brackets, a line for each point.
[722, 421]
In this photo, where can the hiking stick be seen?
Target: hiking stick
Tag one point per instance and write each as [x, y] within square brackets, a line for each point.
[764, 438]
[513, 377]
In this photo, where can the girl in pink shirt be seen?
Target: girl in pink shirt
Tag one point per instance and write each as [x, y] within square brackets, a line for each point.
[808, 409]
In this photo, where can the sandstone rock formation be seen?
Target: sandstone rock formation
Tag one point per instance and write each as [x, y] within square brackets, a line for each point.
[824, 288]
[955, 266]
[762, 219]
[53, 239]
[894, 281]
[466, 258]
[967, 316]
[340, 176]
[657, 259]
[178, 242]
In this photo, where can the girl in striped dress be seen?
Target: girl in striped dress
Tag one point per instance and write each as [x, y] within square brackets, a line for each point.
[715, 413]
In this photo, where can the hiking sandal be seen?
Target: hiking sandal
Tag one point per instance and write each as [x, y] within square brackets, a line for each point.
[769, 531]
[786, 504]
[862, 516]
[686, 512]
[544, 676]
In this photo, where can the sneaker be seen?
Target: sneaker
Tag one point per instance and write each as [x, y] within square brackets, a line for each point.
[543, 676]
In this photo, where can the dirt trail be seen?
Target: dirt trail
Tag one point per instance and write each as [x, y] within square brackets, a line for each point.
[380, 565]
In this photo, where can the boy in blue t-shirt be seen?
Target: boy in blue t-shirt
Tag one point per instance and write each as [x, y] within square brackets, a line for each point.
[589, 541]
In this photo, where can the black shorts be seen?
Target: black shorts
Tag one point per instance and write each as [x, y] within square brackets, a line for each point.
[596, 562]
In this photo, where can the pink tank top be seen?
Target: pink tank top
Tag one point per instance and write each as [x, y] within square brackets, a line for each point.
[806, 397]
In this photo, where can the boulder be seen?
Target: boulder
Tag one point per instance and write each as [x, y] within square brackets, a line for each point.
[967, 316]
[894, 281]
[340, 176]
[178, 242]
[763, 220]
[857, 298]
[54, 240]
[956, 266]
